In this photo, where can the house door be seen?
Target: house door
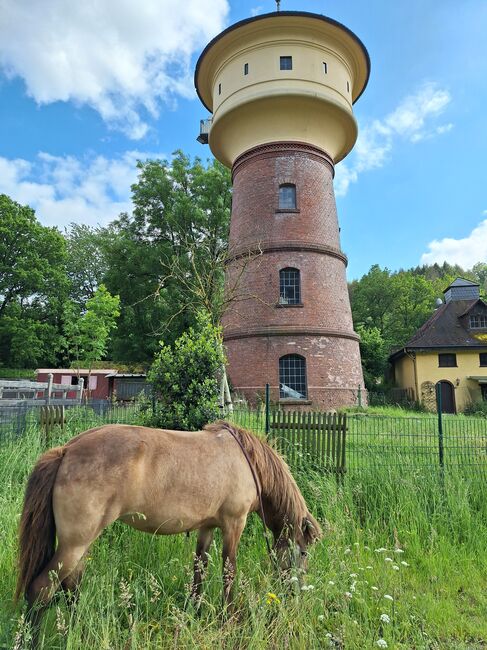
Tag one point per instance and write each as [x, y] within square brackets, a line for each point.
[447, 397]
[483, 388]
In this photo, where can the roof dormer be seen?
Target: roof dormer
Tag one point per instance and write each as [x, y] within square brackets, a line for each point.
[461, 289]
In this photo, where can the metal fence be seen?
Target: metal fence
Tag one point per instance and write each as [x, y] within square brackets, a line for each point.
[376, 441]
[371, 441]
[16, 419]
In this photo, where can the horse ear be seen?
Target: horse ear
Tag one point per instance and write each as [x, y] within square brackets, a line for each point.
[311, 529]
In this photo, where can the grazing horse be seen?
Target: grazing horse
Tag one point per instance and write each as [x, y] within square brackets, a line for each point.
[161, 482]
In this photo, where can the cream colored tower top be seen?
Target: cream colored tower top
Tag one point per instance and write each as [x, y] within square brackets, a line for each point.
[287, 76]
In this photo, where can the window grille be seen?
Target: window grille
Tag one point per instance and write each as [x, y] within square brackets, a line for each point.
[292, 377]
[286, 62]
[447, 360]
[287, 197]
[478, 321]
[289, 287]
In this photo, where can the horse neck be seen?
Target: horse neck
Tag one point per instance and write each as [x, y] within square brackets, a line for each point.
[284, 505]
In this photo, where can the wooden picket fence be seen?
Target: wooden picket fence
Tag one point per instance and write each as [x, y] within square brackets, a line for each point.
[317, 438]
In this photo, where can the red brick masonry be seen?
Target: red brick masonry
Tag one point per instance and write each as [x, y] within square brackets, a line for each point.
[263, 240]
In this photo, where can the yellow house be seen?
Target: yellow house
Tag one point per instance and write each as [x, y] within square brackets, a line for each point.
[449, 349]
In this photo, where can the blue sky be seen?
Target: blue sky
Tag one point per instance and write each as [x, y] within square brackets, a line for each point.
[86, 89]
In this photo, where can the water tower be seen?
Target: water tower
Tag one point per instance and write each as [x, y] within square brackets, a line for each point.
[280, 88]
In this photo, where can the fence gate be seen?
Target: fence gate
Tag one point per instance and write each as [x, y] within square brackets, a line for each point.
[317, 438]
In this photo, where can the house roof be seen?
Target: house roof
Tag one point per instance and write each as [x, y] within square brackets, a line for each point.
[447, 328]
[462, 282]
[81, 371]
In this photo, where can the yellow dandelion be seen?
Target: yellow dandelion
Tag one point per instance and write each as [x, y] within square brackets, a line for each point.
[272, 599]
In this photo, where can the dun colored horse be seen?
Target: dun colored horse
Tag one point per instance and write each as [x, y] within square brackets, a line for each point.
[161, 482]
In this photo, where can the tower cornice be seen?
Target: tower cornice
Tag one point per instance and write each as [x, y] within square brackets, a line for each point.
[270, 149]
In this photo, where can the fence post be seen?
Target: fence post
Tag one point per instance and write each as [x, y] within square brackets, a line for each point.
[267, 409]
[81, 385]
[49, 387]
[440, 425]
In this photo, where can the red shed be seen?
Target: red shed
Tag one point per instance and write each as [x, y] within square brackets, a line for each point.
[97, 382]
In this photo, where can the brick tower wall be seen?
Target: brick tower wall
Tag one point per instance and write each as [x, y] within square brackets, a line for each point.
[263, 240]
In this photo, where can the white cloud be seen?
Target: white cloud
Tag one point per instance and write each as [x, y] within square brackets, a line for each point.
[121, 58]
[466, 252]
[410, 121]
[64, 189]
[256, 10]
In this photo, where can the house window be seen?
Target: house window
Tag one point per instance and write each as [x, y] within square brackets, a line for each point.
[246, 68]
[478, 321]
[348, 86]
[219, 89]
[447, 360]
[75, 380]
[287, 197]
[289, 287]
[292, 377]
[325, 67]
[483, 359]
[286, 62]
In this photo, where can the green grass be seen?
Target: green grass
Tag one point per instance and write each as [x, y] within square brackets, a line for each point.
[135, 590]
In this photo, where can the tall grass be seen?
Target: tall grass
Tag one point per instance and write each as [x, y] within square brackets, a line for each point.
[417, 537]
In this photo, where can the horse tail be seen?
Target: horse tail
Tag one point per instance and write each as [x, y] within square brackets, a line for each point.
[37, 531]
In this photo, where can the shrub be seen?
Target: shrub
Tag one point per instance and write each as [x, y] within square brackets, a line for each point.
[184, 378]
[478, 409]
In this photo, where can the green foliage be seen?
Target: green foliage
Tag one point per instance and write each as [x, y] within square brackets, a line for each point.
[184, 378]
[166, 260]
[478, 409]
[86, 334]
[374, 354]
[87, 261]
[33, 286]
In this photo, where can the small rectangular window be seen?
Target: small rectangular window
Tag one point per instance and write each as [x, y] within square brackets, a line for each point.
[325, 67]
[246, 68]
[286, 62]
[348, 87]
[287, 197]
[478, 321]
[483, 359]
[219, 89]
[447, 360]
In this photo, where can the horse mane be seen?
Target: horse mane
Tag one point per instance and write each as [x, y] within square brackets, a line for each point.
[276, 481]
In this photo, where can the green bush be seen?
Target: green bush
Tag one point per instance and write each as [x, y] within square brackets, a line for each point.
[184, 379]
[478, 409]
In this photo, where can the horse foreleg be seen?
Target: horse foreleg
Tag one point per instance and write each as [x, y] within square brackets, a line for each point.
[205, 537]
[231, 538]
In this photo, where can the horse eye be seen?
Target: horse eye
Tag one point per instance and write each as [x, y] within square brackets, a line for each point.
[304, 553]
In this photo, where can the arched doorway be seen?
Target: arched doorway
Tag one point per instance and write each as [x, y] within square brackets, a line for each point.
[447, 397]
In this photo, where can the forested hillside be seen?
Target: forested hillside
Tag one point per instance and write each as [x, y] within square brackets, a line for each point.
[165, 261]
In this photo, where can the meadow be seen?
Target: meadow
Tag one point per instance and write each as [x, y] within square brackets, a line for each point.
[402, 564]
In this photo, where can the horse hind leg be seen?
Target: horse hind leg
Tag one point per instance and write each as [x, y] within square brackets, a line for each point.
[71, 584]
[43, 588]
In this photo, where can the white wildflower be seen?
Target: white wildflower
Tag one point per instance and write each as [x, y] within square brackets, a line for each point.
[307, 587]
[385, 618]
[347, 551]
[369, 567]
[380, 550]
[404, 563]
[395, 567]
[293, 579]
[348, 594]
[330, 582]
[375, 588]
[321, 617]
[388, 597]
[328, 635]
[353, 585]
[388, 559]
[398, 550]
[354, 575]
[382, 643]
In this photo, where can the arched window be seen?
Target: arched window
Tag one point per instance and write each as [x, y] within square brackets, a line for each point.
[292, 377]
[287, 197]
[289, 286]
